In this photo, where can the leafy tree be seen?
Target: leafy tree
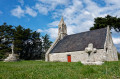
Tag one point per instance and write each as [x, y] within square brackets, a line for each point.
[101, 22]
[46, 44]
[37, 42]
[33, 47]
[6, 37]
[20, 36]
[19, 39]
[28, 43]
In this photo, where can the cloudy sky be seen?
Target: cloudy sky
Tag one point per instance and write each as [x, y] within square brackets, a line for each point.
[44, 15]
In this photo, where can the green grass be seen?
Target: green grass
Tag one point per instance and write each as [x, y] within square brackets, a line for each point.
[58, 70]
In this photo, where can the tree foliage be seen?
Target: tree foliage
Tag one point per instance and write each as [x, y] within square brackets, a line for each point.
[28, 44]
[46, 45]
[6, 37]
[102, 22]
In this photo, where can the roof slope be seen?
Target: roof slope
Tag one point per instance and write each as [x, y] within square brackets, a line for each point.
[79, 41]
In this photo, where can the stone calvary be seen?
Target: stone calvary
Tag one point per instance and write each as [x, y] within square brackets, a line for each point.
[12, 57]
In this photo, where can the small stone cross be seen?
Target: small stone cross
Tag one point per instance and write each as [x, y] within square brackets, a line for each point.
[12, 47]
[90, 50]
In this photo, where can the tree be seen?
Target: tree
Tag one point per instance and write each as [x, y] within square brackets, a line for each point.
[20, 36]
[32, 47]
[28, 43]
[46, 44]
[6, 37]
[37, 42]
[102, 22]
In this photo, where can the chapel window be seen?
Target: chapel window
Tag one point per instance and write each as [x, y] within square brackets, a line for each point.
[106, 49]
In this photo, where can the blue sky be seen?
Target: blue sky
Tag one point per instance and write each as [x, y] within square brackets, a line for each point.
[44, 15]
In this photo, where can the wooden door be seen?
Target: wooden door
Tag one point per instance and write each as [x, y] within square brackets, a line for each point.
[69, 58]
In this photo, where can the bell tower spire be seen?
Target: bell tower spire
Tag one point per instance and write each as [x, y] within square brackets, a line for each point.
[62, 29]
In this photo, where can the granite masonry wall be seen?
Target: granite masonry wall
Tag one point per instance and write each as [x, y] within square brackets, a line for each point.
[78, 56]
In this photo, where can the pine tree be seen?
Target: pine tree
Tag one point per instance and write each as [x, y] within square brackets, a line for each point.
[46, 44]
[102, 22]
[28, 44]
[6, 38]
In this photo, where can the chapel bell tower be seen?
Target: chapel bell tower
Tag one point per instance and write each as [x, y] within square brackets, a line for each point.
[62, 29]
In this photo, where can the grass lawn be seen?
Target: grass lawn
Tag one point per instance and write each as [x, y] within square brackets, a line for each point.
[58, 70]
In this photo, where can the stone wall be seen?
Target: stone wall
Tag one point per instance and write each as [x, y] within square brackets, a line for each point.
[78, 56]
[111, 51]
[51, 47]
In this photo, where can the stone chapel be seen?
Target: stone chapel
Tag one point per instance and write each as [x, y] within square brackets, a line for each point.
[90, 46]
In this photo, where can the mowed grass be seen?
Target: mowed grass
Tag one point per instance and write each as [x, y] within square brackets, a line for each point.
[58, 70]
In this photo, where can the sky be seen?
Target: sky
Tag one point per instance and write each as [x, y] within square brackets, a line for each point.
[44, 15]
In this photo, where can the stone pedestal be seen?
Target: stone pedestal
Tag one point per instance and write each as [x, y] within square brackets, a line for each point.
[91, 60]
[93, 63]
[11, 58]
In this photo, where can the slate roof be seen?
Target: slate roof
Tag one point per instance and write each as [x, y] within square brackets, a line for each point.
[79, 41]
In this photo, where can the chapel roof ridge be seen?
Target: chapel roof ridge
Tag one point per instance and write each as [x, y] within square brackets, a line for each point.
[87, 31]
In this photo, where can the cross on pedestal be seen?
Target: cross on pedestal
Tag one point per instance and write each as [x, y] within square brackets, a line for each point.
[12, 47]
[12, 57]
[90, 50]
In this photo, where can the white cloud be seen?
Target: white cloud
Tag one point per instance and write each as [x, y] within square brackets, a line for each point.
[113, 2]
[116, 40]
[53, 24]
[30, 11]
[52, 32]
[21, 2]
[42, 8]
[54, 3]
[18, 12]
[39, 30]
